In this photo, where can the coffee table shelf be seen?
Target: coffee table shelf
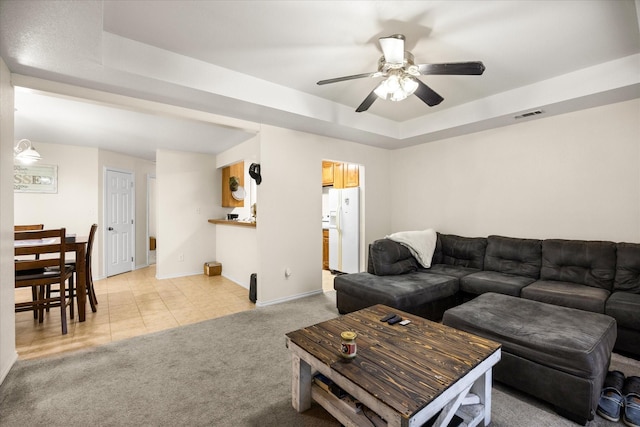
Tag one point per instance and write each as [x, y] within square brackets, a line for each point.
[341, 410]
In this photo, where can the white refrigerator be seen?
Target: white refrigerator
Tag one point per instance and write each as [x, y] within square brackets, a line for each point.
[344, 230]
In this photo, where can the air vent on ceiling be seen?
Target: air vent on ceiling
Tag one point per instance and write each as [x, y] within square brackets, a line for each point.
[529, 114]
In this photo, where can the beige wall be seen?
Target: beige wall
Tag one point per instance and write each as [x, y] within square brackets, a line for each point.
[290, 207]
[237, 247]
[574, 176]
[188, 194]
[75, 205]
[8, 353]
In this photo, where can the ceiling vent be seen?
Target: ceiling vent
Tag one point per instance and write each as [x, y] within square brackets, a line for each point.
[529, 114]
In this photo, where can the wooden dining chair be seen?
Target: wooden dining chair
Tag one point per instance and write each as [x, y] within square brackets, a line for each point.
[91, 293]
[30, 227]
[40, 273]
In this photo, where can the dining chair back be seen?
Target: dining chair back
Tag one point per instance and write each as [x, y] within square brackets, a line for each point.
[40, 273]
[91, 293]
[28, 227]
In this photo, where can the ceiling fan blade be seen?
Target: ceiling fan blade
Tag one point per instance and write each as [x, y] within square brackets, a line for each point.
[355, 76]
[393, 48]
[474, 68]
[427, 95]
[367, 101]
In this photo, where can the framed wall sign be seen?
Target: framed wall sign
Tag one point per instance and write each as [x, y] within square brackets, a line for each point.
[35, 178]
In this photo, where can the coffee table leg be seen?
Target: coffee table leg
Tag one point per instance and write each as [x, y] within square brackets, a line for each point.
[300, 384]
[482, 389]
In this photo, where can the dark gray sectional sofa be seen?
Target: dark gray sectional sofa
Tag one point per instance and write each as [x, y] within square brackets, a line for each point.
[595, 276]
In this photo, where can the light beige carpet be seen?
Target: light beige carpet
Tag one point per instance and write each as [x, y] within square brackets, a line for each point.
[232, 371]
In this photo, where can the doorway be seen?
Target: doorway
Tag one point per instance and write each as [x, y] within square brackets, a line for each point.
[119, 227]
[342, 231]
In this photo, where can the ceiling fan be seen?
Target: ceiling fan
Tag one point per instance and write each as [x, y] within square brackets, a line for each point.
[401, 73]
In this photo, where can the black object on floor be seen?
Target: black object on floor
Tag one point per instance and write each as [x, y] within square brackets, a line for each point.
[253, 282]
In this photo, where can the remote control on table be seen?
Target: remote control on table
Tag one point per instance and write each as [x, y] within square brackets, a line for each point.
[394, 320]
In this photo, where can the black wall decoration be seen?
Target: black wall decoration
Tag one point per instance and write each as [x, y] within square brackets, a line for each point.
[254, 172]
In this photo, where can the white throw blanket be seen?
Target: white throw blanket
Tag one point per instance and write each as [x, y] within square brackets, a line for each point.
[421, 244]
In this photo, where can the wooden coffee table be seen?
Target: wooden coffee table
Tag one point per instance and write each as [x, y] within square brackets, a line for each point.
[402, 375]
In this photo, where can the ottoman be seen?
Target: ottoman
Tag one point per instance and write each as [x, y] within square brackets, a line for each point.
[558, 354]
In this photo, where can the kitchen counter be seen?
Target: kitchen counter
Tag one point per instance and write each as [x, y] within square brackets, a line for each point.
[233, 223]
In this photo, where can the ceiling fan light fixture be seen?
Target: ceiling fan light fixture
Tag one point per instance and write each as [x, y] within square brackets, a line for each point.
[400, 71]
[397, 87]
[25, 153]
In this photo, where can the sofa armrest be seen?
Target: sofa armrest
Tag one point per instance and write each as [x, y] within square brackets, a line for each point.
[389, 258]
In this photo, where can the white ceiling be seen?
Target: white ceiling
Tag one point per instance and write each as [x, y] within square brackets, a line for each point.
[259, 61]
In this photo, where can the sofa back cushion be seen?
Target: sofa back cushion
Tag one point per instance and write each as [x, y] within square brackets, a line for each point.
[390, 258]
[628, 268]
[370, 261]
[591, 263]
[520, 257]
[460, 251]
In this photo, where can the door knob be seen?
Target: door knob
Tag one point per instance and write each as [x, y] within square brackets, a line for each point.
[110, 228]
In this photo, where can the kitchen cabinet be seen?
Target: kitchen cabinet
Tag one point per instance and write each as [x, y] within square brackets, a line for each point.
[346, 175]
[338, 175]
[351, 175]
[236, 170]
[325, 249]
[327, 173]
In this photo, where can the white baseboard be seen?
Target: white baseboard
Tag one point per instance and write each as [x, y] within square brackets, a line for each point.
[244, 285]
[174, 276]
[289, 298]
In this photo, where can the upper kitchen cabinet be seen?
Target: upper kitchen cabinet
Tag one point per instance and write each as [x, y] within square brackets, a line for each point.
[327, 173]
[351, 175]
[340, 175]
[231, 198]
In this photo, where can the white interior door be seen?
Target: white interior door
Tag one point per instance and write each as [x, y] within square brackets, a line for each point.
[119, 222]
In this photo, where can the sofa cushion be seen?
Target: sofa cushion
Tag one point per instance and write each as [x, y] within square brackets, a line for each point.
[411, 289]
[492, 281]
[449, 270]
[520, 257]
[460, 251]
[567, 294]
[625, 308]
[591, 263]
[391, 258]
[627, 268]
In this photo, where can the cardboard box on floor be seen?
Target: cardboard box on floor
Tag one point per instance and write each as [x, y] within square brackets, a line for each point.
[212, 268]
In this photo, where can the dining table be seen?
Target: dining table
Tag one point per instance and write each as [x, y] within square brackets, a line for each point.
[77, 245]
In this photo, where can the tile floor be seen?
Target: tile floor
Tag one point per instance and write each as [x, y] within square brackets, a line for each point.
[129, 305]
[134, 304]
